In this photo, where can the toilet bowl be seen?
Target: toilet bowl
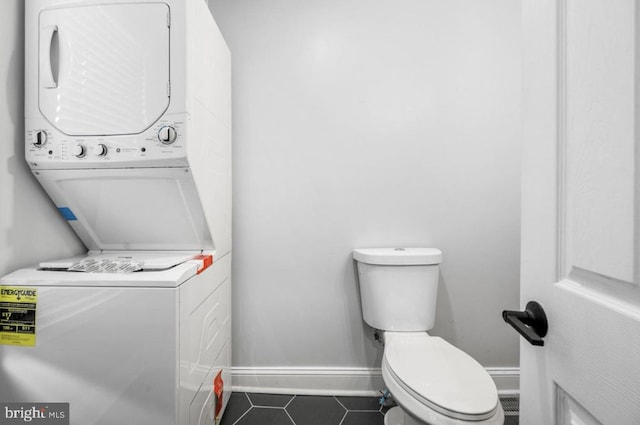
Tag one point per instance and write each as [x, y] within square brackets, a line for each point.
[433, 382]
[437, 384]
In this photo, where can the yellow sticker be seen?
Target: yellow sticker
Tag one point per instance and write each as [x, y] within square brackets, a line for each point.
[18, 315]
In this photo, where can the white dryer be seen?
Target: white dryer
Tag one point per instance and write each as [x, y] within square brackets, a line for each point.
[128, 130]
[128, 121]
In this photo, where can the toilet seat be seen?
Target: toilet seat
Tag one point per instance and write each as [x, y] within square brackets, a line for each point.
[439, 376]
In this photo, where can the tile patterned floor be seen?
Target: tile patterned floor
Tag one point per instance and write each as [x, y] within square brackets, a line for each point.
[275, 409]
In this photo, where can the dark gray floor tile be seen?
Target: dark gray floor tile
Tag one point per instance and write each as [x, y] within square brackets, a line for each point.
[360, 403]
[364, 418]
[265, 416]
[307, 410]
[315, 410]
[272, 400]
[238, 405]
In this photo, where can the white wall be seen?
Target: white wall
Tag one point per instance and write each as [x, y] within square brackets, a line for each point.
[31, 229]
[356, 124]
[371, 124]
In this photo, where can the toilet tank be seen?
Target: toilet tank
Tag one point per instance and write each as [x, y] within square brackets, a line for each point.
[398, 287]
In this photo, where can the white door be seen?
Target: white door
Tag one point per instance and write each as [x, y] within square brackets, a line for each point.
[104, 69]
[580, 211]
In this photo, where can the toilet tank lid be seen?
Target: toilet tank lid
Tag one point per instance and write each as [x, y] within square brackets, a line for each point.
[398, 256]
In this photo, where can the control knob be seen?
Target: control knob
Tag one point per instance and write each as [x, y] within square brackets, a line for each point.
[100, 150]
[167, 135]
[40, 139]
[79, 151]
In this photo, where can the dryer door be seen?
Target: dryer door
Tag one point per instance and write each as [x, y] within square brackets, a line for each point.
[104, 69]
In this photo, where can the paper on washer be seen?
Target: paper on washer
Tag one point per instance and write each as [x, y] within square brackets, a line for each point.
[105, 265]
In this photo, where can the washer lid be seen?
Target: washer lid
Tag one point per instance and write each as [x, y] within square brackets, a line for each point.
[398, 256]
[131, 209]
[440, 375]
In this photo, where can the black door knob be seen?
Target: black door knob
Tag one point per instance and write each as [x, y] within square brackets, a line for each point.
[530, 323]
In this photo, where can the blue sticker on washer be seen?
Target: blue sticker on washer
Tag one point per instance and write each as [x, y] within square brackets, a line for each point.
[67, 214]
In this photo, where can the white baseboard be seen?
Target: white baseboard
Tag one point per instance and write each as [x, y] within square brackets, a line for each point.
[507, 379]
[340, 381]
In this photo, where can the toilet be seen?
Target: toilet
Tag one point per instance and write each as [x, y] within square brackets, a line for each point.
[432, 381]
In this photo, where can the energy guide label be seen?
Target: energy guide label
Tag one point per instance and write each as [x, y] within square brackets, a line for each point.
[18, 315]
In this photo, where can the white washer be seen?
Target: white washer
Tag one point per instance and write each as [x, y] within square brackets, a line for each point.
[137, 348]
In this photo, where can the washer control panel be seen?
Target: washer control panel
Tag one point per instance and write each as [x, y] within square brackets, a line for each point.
[161, 145]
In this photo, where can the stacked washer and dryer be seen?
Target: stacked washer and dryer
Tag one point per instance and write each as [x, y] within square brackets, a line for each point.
[128, 130]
